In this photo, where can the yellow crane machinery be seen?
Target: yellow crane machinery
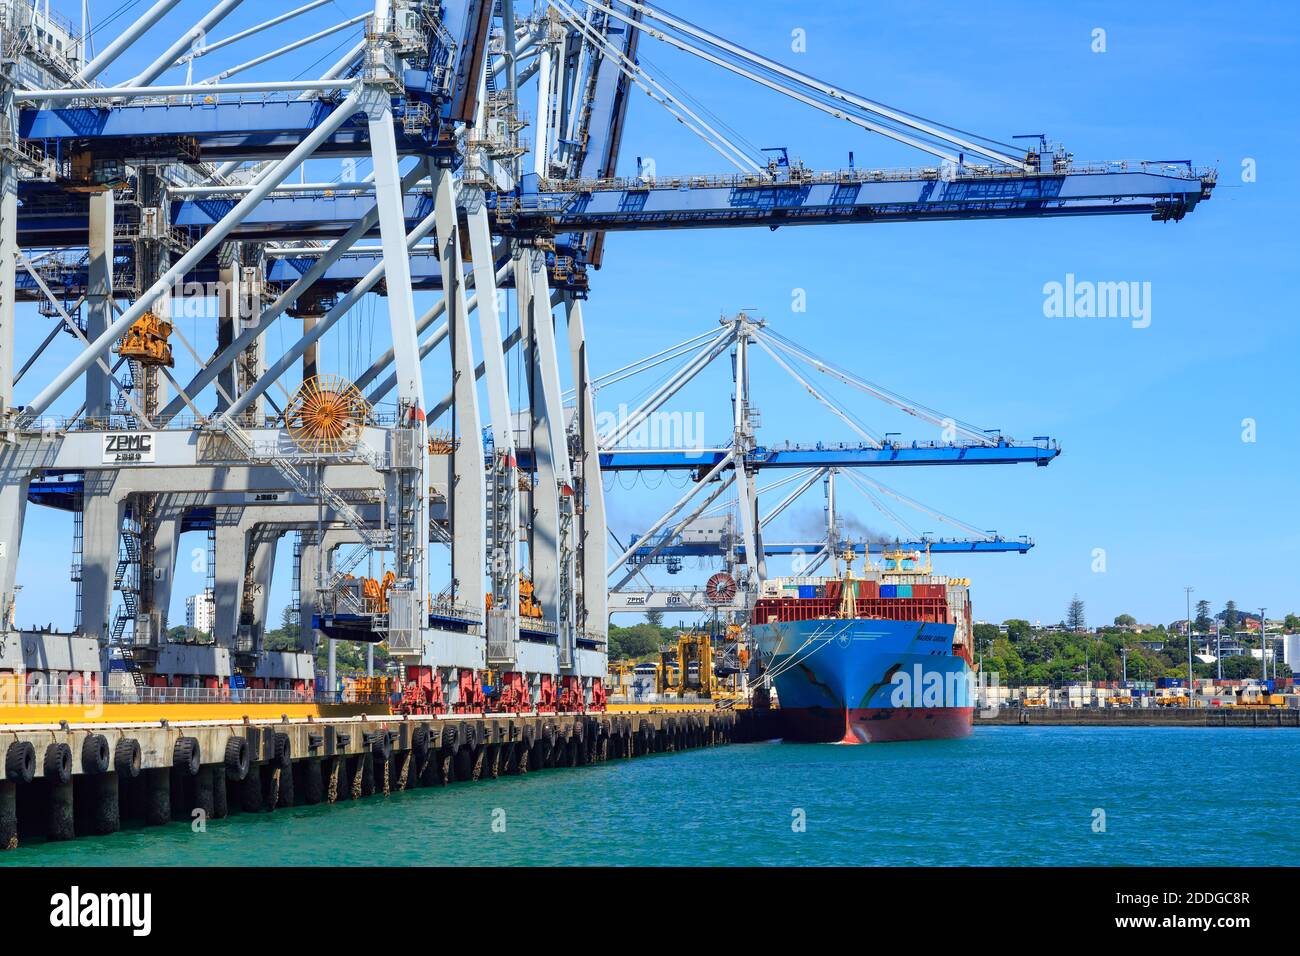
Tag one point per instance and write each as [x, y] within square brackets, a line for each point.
[1253, 697]
[326, 415]
[146, 341]
[529, 606]
[620, 676]
[375, 592]
[688, 668]
[369, 690]
[442, 443]
[666, 672]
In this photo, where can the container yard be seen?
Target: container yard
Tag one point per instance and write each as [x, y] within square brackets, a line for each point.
[1164, 700]
[185, 238]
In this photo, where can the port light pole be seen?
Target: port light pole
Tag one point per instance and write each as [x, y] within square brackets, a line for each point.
[1263, 645]
[1191, 679]
[1218, 649]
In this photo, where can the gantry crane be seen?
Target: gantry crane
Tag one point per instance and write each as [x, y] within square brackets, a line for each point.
[160, 169]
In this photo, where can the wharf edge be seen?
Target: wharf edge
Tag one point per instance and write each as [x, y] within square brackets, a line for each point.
[66, 781]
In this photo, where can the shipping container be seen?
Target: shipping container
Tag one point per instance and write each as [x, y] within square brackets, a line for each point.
[889, 590]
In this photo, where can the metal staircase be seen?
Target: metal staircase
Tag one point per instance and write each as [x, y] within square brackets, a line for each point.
[126, 581]
[502, 534]
[373, 539]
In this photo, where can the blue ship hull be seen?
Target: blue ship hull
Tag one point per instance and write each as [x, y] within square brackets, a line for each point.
[867, 680]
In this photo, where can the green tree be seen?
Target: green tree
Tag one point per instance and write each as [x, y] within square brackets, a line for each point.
[655, 617]
[1230, 619]
[285, 637]
[1125, 620]
[985, 634]
[1240, 667]
[640, 641]
[1291, 623]
[1000, 658]
[1074, 617]
[1018, 630]
[350, 657]
[1204, 623]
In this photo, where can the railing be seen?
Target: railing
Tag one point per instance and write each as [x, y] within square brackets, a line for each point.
[204, 695]
[179, 423]
[653, 697]
[457, 610]
[105, 98]
[800, 176]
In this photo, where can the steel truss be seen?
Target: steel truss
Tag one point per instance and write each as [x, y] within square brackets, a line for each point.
[169, 158]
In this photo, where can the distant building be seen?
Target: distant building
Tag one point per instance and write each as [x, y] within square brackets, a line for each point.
[1291, 651]
[200, 612]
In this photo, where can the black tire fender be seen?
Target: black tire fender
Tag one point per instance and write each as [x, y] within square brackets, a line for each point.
[283, 750]
[58, 763]
[95, 755]
[127, 759]
[420, 741]
[237, 758]
[186, 756]
[20, 762]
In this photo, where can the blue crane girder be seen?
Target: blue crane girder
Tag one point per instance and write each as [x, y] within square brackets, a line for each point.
[690, 203]
[1163, 191]
[426, 274]
[714, 549]
[248, 127]
[997, 545]
[828, 456]
[62, 491]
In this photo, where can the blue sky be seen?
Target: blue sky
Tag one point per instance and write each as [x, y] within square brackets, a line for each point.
[1154, 470]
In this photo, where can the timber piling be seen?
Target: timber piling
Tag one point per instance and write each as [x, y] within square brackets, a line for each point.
[209, 769]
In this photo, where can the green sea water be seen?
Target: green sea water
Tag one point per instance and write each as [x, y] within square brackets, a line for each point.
[1004, 796]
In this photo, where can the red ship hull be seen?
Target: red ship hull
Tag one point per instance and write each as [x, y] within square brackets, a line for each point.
[874, 724]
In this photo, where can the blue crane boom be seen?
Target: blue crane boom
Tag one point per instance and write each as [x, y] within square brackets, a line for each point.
[675, 551]
[1164, 191]
[828, 456]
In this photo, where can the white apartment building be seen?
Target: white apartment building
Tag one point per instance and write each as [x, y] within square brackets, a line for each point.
[200, 612]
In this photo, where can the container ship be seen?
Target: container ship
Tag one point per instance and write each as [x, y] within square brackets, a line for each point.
[880, 656]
